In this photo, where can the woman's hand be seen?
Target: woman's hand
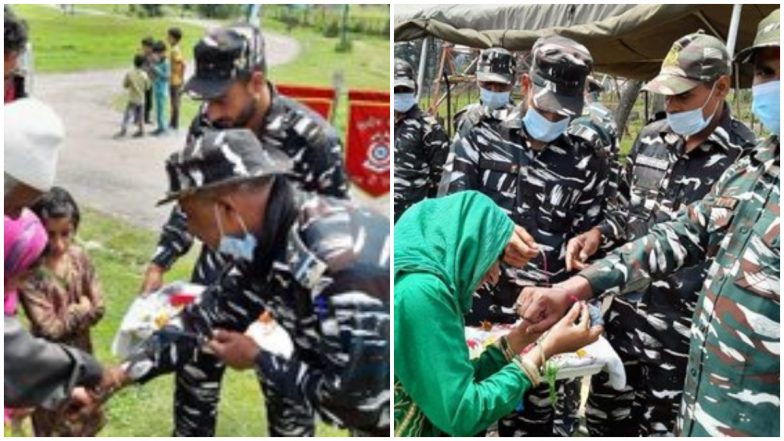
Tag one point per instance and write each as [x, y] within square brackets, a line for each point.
[520, 337]
[568, 335]
[521, 248]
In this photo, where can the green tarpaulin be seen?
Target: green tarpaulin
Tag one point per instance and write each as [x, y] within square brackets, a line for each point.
[625, 40]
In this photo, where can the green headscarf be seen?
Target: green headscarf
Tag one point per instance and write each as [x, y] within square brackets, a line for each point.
[443, 248]
[457, 238]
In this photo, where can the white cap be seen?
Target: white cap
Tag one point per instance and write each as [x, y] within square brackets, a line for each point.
[33, 136]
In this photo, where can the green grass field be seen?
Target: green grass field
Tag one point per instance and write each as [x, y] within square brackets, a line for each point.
[68, 43]
[120, 253]
[64, 43]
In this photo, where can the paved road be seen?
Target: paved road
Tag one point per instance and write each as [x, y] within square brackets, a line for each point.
[123, 177]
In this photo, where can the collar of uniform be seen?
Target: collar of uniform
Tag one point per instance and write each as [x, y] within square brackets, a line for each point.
[726, 121]
[768, 150]
[305, 266]
[502, 113]
[271, 124]
[413, 112]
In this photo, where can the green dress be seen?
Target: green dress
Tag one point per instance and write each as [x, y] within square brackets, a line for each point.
[443, 247]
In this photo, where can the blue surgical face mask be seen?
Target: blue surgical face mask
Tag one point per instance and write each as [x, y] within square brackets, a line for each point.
[541, 128]
[690, 122]
[404, 102]
[494, 100]
[767, 105]
[236, 248]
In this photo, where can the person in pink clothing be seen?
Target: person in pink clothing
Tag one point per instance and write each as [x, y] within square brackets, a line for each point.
[24, 242]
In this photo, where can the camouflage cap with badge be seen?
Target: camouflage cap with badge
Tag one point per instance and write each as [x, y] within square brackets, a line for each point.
[496, 65]
[404, 74]
[692, 60]
[559, 69]
[217, 158]
[222, 56]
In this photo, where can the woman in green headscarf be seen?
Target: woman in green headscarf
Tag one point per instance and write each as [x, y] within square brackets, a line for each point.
[444, 249]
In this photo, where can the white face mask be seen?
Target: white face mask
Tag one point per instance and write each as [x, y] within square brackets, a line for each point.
[541, 128]
[404, 102]
[690, 122]
[494, 100]
[236, 248]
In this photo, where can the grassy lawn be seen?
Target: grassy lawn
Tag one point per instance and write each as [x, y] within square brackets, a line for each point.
[120, 253]
[65, 43]
[68, 43]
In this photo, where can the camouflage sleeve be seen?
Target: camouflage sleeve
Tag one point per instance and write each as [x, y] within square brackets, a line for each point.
[326, 160]
[436, 144]
[174, 241]
[589, 210]
[461, 171]
[618, 201]
[669, 246]
[351, 384]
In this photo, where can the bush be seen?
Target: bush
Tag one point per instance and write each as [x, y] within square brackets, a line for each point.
[343, 46]
[332, 30]
[146, 10]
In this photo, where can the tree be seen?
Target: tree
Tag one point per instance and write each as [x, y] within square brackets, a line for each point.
[625, 104]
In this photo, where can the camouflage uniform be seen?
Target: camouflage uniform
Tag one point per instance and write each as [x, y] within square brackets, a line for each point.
[495, 65]
[597, 126]
[321, 267]
[659, 180]
[733, 373]
[316, 151]
[421, 147]
[554, 193]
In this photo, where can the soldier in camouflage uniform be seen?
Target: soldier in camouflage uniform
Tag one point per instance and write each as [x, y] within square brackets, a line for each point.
[231, 78]
[665, 171]
[496, 71]
[549, 182]
[421, 144]
[733, 371]
[319, 265]
[597, 126]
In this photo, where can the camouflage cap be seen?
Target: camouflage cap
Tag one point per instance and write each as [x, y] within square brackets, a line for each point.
[404, 74]
[496, 65]
[221, 56]
[559, 68]
[692, 60]
[214, 158]
[768, 35]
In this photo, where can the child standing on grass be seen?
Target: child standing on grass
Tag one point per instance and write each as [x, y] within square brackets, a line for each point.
[136, 82]
[160, 85]
[63, 300]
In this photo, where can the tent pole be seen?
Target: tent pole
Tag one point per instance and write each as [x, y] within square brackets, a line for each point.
[734, 24]
[422, 64]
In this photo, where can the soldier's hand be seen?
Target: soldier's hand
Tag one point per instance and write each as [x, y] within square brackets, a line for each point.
[153, 279]
[82, 403]
[581, 248]
[520, 249]
[540, 308]
[543, 307]
[236, 350]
